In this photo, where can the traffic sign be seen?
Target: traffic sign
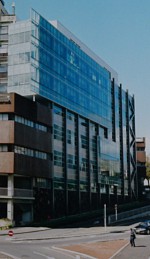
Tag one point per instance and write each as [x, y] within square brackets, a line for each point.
[10, 233]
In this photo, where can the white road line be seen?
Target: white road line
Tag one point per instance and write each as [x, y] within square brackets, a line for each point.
[14, 257]
[73, 252]
[66, 251]
[43, 255]
[119, 251]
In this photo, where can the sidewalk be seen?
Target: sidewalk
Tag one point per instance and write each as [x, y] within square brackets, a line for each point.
[49, 233]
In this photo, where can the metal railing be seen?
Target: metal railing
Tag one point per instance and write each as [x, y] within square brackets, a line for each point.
[136, 213]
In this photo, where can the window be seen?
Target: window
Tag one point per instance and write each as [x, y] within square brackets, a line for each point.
[58, 158]
[3, 117]
[30, 123]
[103, 132]
[30, 152]
[3, 148]
[42, 183]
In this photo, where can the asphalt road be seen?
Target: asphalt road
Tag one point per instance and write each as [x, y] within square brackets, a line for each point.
[50, 242]
[47, 243]
[140, 251]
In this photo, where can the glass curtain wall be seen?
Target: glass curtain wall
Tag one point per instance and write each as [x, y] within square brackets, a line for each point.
[59, 160]
[72, 167]
[72, 151]
[117, 137]
[84, 169]
[61, 72]
[125, 151]
[93, 165]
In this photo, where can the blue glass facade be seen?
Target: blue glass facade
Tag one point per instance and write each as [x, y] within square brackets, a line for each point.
[67, 75]
[93, 118]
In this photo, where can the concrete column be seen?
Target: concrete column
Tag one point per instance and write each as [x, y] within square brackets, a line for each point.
[10, 185]
[10, 205]
[10, 210]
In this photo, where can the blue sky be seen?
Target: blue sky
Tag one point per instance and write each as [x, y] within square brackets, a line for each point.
[116, 30]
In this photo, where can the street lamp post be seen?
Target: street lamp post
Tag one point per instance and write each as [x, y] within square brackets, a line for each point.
[116, 213]
[105, 216]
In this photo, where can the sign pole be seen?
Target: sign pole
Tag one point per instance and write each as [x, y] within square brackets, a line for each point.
[105, 216]
[116, 214]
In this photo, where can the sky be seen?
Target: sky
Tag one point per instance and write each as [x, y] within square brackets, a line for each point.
[116, 30]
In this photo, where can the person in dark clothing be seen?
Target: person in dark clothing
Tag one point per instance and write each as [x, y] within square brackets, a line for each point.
[132, 237]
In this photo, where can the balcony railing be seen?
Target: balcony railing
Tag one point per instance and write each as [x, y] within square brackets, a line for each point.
[16, 193]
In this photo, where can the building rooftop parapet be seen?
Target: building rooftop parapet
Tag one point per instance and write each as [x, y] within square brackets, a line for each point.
[140, 139]
[8, 18]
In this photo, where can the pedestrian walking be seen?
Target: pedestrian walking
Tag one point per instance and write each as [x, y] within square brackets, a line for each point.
[132, 237]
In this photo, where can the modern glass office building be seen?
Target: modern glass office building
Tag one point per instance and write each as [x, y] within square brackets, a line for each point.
[92, 153]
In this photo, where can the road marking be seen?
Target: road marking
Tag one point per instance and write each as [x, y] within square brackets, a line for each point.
[13, 257]
[43, 255]
[73, 252]
[20, 242]
[57, 250]
[119, 251]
